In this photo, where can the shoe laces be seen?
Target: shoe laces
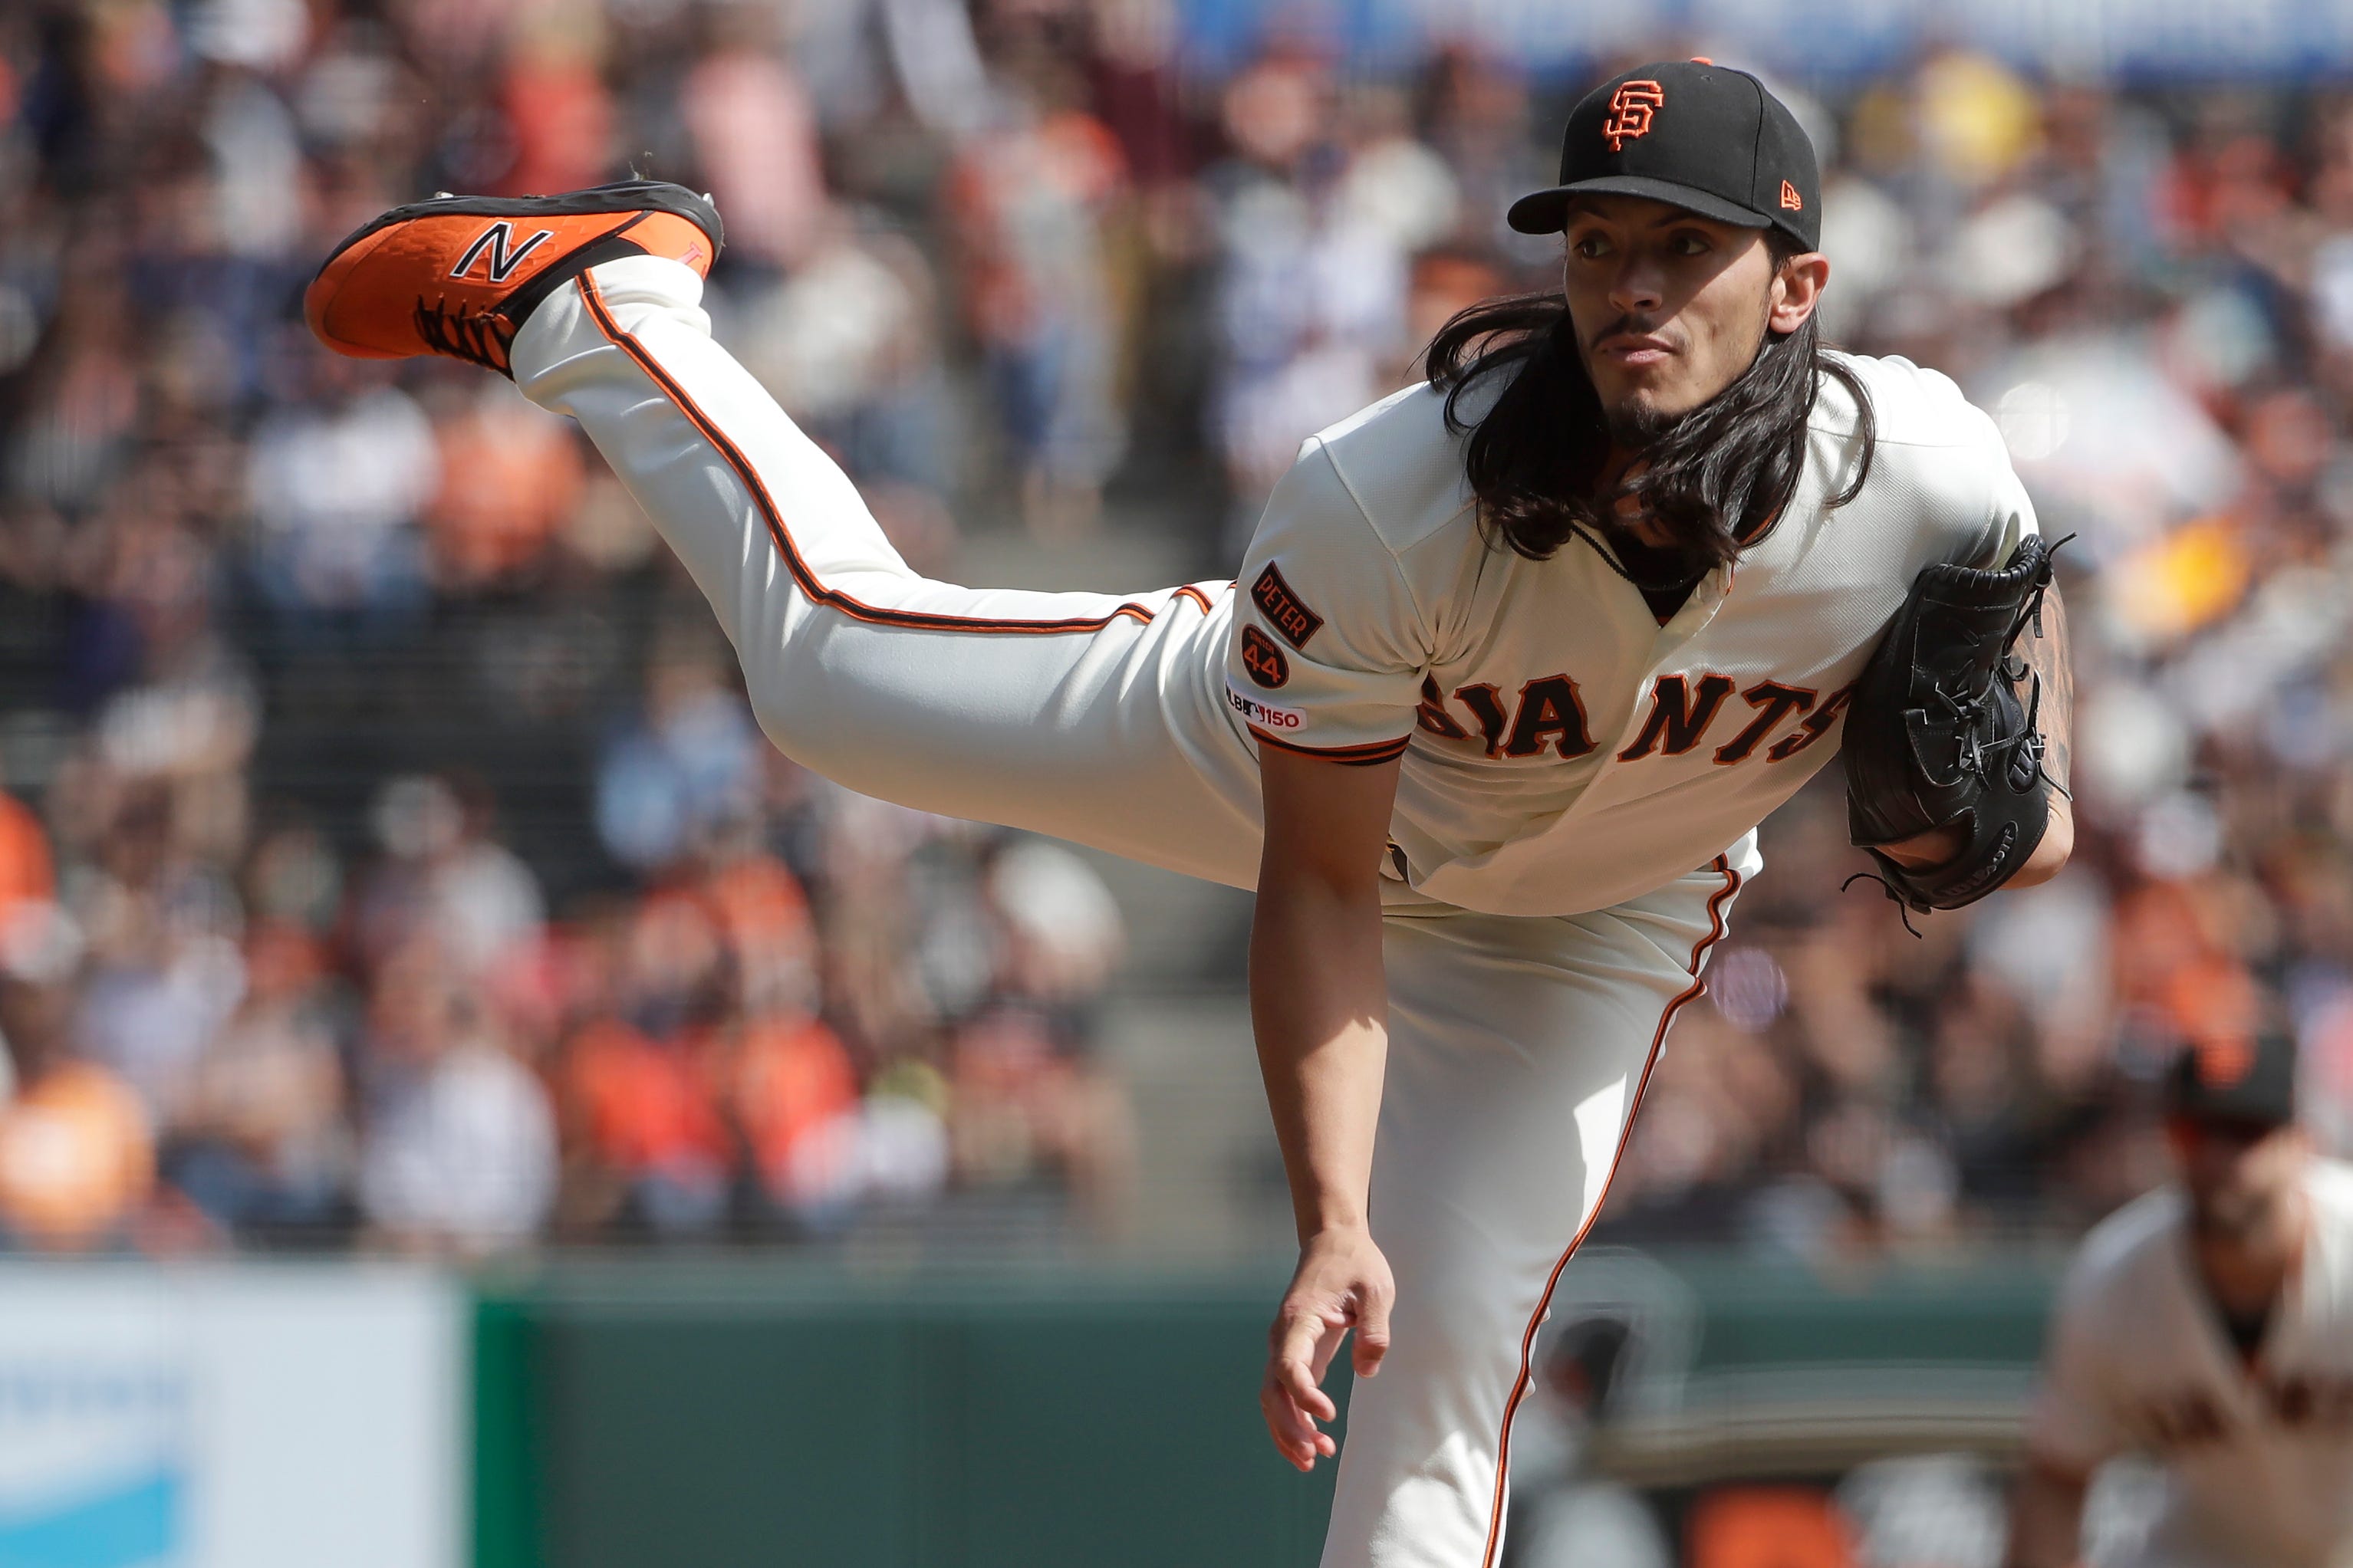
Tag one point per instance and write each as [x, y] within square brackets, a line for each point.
[1970, 709]
[481, 337]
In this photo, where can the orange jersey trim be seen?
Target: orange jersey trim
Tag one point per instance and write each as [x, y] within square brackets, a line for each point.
[810, 584]
[1715, 903]
[1355, 756]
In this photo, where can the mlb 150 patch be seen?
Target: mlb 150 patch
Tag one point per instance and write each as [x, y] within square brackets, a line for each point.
[1262, 659]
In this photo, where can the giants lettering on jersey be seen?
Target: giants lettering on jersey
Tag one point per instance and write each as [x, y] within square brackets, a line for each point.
[1680, 714]
[1549, 715]
[2315, 1403]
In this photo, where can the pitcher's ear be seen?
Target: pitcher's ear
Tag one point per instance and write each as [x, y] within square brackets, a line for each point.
[1797, 288]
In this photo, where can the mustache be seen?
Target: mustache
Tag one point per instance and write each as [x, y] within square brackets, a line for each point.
[1631, 326]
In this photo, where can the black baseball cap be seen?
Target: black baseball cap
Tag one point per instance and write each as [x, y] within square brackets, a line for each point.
[1702, 136]
[2249, 1079]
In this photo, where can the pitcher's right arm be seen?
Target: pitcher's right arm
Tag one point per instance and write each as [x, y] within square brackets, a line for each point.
[1319, 1007]
[2046, 1516]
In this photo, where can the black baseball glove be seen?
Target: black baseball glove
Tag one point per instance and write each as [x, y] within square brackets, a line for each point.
[1936, 735]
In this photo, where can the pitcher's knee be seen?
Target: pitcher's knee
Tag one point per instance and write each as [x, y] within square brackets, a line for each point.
[813, 714]
[802, 721]
[775, 707]
[844, 735]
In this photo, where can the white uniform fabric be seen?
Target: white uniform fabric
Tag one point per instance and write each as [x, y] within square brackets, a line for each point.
[1543, 922]
[1563, 750]
[2257, 1458]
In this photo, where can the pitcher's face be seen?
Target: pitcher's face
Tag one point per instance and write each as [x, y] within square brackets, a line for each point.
[1668, 307]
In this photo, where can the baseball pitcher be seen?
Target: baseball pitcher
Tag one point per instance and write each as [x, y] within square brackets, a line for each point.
[1519, 658]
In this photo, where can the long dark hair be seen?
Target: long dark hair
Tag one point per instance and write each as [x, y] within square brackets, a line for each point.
[1718, 478]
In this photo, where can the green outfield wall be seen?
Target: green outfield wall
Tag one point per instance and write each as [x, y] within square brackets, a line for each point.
[695, 1416]
[700, 1415]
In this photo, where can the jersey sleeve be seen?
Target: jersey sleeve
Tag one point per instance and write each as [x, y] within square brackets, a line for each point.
[2073, 1421]
[1970, 503]
[1328, 645]
[2011, 512]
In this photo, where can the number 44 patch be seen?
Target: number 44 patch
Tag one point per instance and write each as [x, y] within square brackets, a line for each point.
[1263, 660]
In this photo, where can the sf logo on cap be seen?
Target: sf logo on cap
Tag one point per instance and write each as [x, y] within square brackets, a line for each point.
[2224, 1060]
[1630, 108]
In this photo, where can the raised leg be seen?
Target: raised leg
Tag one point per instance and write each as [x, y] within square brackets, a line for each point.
[1092, 717]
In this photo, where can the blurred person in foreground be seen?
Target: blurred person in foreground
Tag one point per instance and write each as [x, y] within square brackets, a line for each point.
[2208, 1325]
[1474, 925]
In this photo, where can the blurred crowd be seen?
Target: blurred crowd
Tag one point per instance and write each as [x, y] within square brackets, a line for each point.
[388, 852]
[298, 651]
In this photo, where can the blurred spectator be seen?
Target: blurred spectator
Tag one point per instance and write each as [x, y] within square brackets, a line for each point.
[27, 876]
[76, 1152]
[1062, 927]
[261, 1144]
[461, 1143]
[640, 1083]
[162, 969]
[444, 875]
[510, 475]
[691, 758]
[339, 480]
[1026, 197]
[1025, 1088]
[1310, 311]
[797, 1094]
[854, 53]
[553, 103]
[755, 136]
[845, 344]
[1473, 109]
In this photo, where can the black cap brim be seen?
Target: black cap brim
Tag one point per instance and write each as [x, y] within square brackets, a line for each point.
[1547, 212]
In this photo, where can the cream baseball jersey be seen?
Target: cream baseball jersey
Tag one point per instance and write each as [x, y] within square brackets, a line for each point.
[1565, 750]
[2257, 1454]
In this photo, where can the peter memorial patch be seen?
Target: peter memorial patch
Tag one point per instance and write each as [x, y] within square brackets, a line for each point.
[1262, 659]
[1283, 609]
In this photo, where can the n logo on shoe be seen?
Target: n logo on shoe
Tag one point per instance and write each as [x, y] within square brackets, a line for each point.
[497, 242]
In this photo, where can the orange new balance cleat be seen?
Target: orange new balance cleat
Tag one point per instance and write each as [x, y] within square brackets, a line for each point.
[458, 275]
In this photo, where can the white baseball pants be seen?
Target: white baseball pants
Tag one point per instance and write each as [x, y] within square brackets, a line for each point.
[1518, 1046]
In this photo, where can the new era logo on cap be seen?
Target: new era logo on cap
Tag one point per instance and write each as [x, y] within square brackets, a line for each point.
[1791, 201]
